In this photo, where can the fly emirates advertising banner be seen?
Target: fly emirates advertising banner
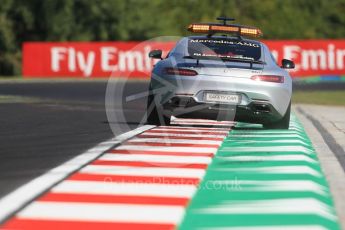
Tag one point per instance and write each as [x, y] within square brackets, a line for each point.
[130, 59]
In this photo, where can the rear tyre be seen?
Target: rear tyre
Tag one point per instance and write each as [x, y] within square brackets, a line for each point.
[155, 114]
[282, 123]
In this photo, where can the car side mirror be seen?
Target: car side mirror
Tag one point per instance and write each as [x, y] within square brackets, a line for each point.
[156, 54]
[287, 64]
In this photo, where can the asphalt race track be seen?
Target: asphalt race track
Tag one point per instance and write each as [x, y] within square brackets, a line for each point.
[195, 174]
[46, 124]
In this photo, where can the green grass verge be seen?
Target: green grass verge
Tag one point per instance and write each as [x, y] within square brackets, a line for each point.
[10, 77]
[320, 97]
[17, 99]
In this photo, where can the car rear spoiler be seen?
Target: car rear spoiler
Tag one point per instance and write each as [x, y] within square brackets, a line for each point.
[251, 62]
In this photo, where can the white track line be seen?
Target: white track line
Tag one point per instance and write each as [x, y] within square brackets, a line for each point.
[292, 141]
[157, 158]
[182, 135]
[144, 171]
[267, 135]
[103, 212]
[192, 128]
[276, 170]
[132, 189]
[202, 123]
[302, 206]
[27, 192]
[188, 131]
[270, 227]
[282, 149]
[275, 185]
[194, 122]
[269, 132]
[171, 141]
[199, 120]
[168, 149]
[293, 157]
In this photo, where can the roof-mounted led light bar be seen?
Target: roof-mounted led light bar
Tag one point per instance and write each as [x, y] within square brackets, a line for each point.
[223, 28]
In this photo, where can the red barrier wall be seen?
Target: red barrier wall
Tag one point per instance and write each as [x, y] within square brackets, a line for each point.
[104, 59]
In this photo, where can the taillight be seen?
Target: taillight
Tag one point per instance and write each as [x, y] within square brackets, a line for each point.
[178, 71]
[268, 78]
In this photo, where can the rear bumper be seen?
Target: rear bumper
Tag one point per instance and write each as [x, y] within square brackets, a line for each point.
[255, 112]
[277, 96]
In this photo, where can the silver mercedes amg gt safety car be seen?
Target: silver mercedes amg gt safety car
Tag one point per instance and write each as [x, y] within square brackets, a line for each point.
[220, 75]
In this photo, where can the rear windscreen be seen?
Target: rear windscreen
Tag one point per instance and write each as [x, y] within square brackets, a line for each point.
[213, 48]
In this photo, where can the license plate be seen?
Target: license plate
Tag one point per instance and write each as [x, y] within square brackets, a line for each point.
[223, 98]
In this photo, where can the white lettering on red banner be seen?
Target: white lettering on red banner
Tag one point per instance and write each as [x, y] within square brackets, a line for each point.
[130, 59]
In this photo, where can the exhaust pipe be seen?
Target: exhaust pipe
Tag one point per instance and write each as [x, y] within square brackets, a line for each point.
[262, 108]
